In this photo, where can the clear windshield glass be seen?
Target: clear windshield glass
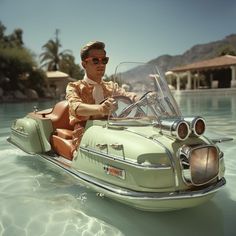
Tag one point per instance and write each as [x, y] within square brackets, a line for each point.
[153, 101]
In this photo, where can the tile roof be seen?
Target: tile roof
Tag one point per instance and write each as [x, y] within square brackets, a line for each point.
[217, 62]
[56, 74]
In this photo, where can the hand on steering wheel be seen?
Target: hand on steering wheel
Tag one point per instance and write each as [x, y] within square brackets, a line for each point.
[147, 98]
[108, 106]
[120, 99]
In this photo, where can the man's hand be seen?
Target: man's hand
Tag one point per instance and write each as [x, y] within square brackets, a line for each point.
[108, 106]
[103, 109]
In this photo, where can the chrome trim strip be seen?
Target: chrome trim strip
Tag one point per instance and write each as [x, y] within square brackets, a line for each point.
[172, 160]
[221, 140]
[221, 155]
[118, 159]
[20, 133]
[135, 194]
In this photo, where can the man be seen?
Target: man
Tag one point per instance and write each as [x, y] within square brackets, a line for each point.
[86, 97]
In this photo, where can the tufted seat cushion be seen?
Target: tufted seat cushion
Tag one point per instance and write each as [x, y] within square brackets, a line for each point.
[61, 139]
[64, 133]
[62, 146]
[60, 116]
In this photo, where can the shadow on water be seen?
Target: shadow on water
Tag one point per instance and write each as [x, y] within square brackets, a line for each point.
[207, 219]
[195, 221]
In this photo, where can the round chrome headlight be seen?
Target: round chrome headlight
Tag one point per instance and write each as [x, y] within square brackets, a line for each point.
[200, 164]
[197, 125]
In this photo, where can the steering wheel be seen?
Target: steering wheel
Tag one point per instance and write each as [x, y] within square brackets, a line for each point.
[126, 111]
[144, 95]
[121, 99]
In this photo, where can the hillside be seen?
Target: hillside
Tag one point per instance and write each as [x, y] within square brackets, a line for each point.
[196, 53]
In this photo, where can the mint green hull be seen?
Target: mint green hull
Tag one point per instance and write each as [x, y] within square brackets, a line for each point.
[137, 166]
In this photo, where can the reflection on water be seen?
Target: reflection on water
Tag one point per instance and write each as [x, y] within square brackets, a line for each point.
[37, 198]
[208, 105]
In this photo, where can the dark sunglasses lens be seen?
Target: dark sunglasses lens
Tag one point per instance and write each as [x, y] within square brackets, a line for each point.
[95, 60]
[105, 60]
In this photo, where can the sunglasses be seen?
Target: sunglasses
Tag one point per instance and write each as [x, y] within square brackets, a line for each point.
[97, 60]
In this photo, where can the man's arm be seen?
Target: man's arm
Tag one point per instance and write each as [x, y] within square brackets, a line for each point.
[103, 109]
[80, 109]
[120, 91]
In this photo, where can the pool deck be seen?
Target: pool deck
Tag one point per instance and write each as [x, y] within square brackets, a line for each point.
[222, 91]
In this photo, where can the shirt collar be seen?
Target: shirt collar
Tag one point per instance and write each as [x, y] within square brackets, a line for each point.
[89, 81]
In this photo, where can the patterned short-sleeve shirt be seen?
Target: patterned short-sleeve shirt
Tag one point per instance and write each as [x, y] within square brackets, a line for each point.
[81, 92]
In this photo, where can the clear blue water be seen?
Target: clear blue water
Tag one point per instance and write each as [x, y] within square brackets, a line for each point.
[37, 198]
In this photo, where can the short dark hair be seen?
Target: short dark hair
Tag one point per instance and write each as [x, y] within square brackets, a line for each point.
[84, 53]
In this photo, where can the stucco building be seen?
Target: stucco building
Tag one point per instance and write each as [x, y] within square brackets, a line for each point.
[57, 82]
[219, 72]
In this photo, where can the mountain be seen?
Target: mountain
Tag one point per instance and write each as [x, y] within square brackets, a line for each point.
[199, 52]
[196, 53]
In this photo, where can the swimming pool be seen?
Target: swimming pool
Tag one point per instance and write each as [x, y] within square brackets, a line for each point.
[37, 198]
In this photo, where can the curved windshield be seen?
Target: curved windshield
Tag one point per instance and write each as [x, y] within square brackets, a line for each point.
[147, 97]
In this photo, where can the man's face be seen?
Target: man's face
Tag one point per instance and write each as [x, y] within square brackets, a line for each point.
[95, 71]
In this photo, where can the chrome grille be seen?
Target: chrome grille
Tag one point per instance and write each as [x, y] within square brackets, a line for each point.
[200, 164]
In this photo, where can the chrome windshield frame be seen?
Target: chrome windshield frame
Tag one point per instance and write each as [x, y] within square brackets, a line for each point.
[156, 99]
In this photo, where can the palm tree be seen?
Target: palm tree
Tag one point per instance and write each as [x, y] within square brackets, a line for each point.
[68, 65]
[51, 56]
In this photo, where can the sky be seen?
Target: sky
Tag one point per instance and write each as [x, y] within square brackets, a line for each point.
[133, 30]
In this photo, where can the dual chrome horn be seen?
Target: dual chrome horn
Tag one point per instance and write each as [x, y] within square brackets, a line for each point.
[197, 125]
[182, 128]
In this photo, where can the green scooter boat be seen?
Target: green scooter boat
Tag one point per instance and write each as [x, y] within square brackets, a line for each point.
[146, 154]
